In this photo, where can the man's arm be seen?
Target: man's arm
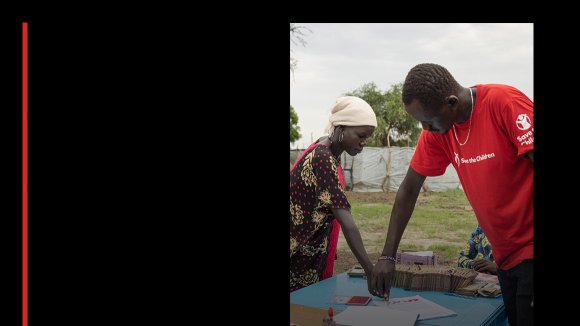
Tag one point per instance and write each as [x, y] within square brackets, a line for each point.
[353, 238]
[380, 282]
[402, 210]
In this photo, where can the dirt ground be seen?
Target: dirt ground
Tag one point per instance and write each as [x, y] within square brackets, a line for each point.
[372, 197]
[345, 258]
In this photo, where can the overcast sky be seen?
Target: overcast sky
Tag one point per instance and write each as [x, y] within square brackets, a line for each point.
[339, 58]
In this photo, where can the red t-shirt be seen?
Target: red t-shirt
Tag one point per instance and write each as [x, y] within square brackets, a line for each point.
[496, 177]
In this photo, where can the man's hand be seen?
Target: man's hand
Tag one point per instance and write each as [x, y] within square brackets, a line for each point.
[379, 282]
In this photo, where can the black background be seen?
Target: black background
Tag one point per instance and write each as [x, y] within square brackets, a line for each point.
[136, 124]
[154, 168]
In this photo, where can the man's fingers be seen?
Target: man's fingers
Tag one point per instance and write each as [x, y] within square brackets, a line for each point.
[379, 287]
[387, 287]
[373, 284]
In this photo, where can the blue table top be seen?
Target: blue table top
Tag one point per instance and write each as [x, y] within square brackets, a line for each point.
[475, 311]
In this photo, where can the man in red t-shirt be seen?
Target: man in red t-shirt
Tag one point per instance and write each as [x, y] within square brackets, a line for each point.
[486, 132]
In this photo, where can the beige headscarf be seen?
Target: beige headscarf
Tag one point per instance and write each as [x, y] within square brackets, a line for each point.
[351, 111]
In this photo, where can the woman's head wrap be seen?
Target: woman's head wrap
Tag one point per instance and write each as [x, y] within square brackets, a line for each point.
[351, 111]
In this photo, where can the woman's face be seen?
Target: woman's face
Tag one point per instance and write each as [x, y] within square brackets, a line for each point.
[355, 138]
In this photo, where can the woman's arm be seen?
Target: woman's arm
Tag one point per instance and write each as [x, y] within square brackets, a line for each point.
[353, 238]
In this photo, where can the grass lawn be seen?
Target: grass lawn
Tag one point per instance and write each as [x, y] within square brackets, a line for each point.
[441, 222]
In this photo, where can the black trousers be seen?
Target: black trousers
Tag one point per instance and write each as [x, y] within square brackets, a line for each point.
[517, 289]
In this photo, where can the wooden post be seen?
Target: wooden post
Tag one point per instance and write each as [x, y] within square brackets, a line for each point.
[388, 176]
[426, 188]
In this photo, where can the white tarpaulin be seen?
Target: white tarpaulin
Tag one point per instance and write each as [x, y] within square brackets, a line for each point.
[368, 171]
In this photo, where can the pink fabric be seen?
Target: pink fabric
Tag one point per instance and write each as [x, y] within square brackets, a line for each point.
[333, 239]
[301, 155]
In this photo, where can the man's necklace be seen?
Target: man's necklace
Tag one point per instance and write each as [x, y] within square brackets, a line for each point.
[470, 119]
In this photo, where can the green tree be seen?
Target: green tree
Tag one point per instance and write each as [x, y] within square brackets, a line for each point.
[395, 127]
[294, 128]
[296, 37]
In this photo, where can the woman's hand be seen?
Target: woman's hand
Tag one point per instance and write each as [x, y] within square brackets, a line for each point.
[484, 266]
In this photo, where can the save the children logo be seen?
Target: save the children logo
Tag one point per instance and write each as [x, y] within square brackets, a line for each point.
[523, 122]
[475, 159]
[527, 138]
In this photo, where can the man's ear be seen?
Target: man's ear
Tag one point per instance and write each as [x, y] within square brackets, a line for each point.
[452, 101]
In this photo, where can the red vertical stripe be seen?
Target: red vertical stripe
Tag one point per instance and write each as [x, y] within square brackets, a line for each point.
[24, 174]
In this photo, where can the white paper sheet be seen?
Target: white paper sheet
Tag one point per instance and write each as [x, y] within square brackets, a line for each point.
[375, 316]
[417, 304]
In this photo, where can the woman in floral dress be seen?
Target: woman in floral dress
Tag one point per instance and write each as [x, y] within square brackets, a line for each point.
[318, 204]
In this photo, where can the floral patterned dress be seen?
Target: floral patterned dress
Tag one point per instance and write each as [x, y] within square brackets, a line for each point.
[314, 190]
[477, 247]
